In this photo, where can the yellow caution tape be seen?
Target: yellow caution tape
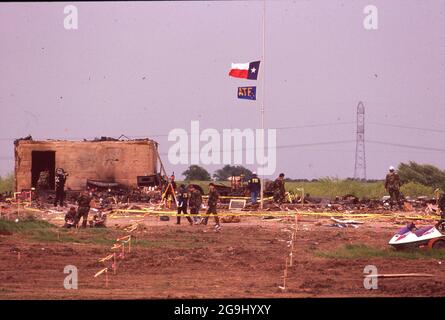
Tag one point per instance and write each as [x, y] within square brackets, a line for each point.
[32, 209]
[115, 214]
[293, 213]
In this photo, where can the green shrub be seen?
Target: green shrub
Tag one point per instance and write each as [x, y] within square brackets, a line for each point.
[414, 189]
[7, 183]
[362, 251]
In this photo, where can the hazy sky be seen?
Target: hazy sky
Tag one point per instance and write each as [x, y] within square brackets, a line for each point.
[144, 68]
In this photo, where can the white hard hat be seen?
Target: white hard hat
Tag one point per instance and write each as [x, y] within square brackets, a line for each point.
[391, 168]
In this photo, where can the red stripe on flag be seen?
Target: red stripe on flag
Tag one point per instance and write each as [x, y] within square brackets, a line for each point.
[239, 73]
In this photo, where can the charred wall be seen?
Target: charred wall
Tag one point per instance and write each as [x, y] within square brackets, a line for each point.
[114, 161]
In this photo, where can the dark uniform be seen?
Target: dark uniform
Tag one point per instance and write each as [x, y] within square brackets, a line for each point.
[195, 202]
[279, 191]
[254, 185]
[213, 201]
[183, 197]
[392, 184]
[70, 218]
[60, 179]
[83, 210]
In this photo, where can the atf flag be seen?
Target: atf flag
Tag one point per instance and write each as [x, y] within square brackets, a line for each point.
[247, 93]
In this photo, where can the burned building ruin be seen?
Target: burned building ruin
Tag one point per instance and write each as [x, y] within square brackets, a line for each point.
[109, 160]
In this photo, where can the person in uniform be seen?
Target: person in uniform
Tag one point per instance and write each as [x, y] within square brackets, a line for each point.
[183, 197]
[279, 190]
[254, 186]
[84, 201]
[60, 180]
[212, 202]
[70, 218]
[392, 185]
[195, 202]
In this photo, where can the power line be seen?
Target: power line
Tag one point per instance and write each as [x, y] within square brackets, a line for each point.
[405, 127]
[316, 125]
[282, 146]
[166, 135]
[406, 146]
[322, 144]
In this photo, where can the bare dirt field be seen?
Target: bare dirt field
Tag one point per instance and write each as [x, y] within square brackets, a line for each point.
[244, 260]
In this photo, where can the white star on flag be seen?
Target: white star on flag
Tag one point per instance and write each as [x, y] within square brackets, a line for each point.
[245, 70]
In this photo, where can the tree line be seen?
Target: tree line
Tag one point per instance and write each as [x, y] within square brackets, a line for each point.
[425, 174]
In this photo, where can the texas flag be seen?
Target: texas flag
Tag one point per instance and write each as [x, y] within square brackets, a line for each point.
[245, 70]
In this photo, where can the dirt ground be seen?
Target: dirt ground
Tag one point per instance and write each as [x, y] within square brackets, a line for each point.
[244, 260]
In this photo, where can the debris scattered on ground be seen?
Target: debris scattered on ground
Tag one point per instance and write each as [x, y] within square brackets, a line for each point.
[345, 223]
[231, 219]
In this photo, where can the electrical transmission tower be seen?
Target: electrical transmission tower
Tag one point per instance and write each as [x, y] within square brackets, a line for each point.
[360, 159]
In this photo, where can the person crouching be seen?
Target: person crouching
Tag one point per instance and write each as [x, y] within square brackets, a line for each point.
[99, 220]
[70, 218]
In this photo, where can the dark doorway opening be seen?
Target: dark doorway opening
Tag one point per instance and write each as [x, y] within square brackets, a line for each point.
[41, 161]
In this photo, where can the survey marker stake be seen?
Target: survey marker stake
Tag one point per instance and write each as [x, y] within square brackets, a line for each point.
[104, 270]
[284, 276]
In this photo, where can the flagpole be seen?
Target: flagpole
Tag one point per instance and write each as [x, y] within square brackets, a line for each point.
[263, 92]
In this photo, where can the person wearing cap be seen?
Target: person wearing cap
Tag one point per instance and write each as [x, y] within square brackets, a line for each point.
[212, 202]
[392, 185]
[60, 179]
[254, 185]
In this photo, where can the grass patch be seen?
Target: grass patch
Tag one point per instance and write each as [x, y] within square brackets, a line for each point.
[24, 226]
[361, 251]
[88, 236]
[44, 231]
